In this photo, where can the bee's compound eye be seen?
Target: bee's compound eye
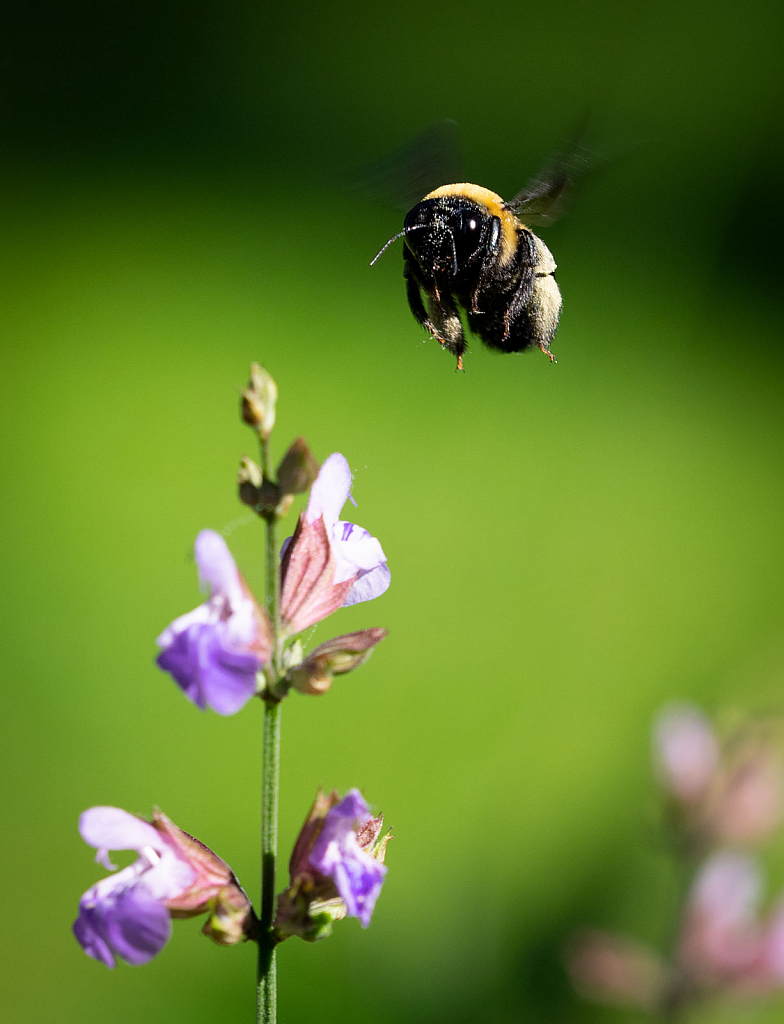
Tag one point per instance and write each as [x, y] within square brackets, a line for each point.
[467, 234]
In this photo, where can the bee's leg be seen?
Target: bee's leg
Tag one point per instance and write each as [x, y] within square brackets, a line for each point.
[448, 325]
[531, 318]
[441, 318]
[484, 279]
[516, 321]
[531, 315]
[414, 295]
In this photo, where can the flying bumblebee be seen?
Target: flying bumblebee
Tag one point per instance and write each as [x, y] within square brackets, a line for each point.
[466, 248]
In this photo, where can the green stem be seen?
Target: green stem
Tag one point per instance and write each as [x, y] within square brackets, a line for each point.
[266, 991]
[266, 978]
[680, 993]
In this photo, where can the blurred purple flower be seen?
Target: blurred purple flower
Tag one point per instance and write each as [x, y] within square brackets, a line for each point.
[329, 562]
[723, 793]
[725, 942]
[215, 651]
[721, 936]
[337, 854]
[686, 751]
[748, 804]
[731, 792]
[124, 915]
[614, 969]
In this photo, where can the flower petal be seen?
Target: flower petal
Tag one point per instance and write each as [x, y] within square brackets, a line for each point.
[337, 855]
[89, 938]
[727, 890]
[216, 565]
[359, 879]
[351, 809]
[111, 828]
[356, 546]
[330, 491]
[137, 926]
[201, 614]
[208, 672]
[686, 749]
[170, 877]
[369, 585]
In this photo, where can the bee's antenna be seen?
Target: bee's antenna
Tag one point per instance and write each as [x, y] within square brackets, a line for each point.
[394, 238]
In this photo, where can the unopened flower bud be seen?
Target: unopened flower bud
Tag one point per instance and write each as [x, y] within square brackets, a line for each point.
[333, 658]
[258, 401]
[249, 481]
[231, 919]
[309, 679]
[249, 473]
[293, 655]
[262, 495]
[298, 469]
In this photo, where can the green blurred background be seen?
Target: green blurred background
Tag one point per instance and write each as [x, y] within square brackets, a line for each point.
[570, 546]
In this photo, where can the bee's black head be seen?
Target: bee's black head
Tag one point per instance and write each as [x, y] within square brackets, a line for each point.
[449, 234]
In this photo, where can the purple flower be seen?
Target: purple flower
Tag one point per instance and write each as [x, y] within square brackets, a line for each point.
[358, 554]
[725, 941]
[124, 915]
[329, 563]
[215, 651]
[337, 854]
[617, 970]
[729, 792]
[686, 750]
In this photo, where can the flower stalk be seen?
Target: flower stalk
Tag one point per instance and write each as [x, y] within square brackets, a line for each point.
[226, 651]
[266, 978]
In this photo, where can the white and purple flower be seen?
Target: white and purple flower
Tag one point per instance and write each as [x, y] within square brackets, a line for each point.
[215, 651]
[337, 854]
[124, 915]
[329, 563]
[128, 914]
[358, 555]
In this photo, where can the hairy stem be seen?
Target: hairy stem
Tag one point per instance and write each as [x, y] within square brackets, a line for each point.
[266, 992]
[266, 979]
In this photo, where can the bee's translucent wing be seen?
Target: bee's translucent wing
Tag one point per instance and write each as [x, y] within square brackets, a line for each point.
[403, 177]
[544, 197]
